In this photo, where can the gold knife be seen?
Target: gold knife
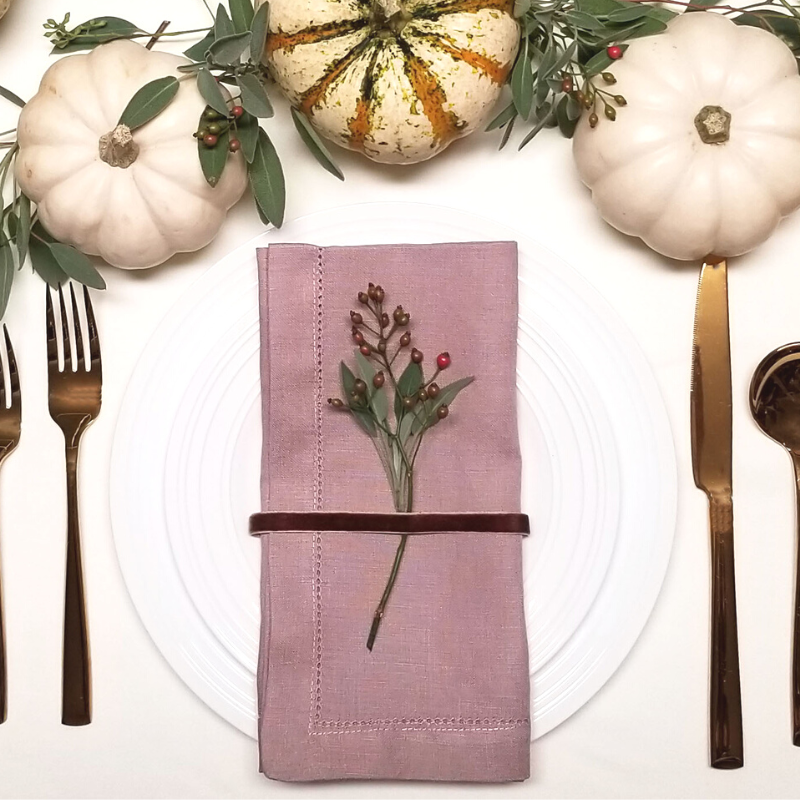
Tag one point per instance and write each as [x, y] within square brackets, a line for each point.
[712, 435]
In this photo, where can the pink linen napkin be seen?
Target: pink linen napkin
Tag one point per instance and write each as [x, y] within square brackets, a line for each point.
[444, 695]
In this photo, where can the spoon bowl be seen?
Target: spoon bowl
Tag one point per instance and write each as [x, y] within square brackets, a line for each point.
[775, 405]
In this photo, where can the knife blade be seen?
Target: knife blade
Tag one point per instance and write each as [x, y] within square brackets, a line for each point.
[712, 462]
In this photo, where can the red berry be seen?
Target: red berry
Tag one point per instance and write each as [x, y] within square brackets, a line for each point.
[234, 145]
[614, 52]
[237, 111]
[567, 86]
[209, 140]
[443, 360]
[365, 350]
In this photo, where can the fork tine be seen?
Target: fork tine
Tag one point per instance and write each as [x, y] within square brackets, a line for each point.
[52, 344]
[94, 339]
[76, 320]
[65, 332]
[13, 372]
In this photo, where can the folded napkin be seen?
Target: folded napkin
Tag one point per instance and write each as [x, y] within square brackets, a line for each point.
[444, 694]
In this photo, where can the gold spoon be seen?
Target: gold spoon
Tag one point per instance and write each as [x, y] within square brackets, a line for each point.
[775, 405]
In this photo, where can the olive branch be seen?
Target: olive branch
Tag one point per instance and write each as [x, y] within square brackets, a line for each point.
[567, 47]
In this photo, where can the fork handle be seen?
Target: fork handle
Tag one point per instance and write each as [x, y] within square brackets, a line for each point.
[76, 673]
[3, 676]
[727, 746]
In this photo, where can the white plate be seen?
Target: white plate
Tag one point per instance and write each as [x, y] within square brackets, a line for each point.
[599, 477]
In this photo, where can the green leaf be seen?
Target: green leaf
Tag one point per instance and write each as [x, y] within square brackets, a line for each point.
[521, 7]
[361, 416]
[507, 133]
[242, 14]
[522, 82]
[254, 96]
[404, 428]
[544, 115]
[503, 118]
[267, 181]
[228, 49]
[365, 368]
[408, 385]
[104, 29]
[598, 8]
[583, 21]
[565, 124]
[598, 63]
[210, 91]
[44, 262]
[149, 102]
[258, 29]
[447, 395]
[76, 265]
[312, 141]
[6, 273]
[11, 97]
[23, 231]
[214, 159]
[197, 52]
[247, 132]
[222, 23]
[630, 13]
[11, 224]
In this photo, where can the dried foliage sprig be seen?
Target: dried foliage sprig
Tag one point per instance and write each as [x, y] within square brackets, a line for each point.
[394, 409]
[568, 46]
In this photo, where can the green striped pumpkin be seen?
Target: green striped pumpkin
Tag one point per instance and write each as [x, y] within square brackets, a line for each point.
[395, 79]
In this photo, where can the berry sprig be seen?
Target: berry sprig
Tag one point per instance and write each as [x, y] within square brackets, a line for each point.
[419, 403]
[213, 125]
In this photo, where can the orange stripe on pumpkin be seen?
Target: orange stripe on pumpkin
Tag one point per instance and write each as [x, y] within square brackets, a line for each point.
[317, 33]
[361, 124]
[317, 92]
[493, 69]
[428, 90]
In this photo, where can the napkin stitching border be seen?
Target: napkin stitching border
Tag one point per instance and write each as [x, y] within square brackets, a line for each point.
[432, 724]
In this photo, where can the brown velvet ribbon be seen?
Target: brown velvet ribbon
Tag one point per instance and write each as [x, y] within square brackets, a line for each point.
[412, 523]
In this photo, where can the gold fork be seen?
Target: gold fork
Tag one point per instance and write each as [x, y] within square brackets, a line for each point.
[75, 397]
[10, 425]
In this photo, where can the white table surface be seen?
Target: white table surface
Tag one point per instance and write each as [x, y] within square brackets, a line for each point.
[643, 735]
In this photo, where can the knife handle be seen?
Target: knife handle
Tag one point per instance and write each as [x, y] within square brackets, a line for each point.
[727, 746]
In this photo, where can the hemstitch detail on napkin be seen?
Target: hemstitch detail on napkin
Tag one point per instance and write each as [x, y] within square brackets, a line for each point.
[316, 683]
[405, 724]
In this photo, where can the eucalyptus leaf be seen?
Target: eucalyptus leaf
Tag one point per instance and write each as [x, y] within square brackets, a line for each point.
[507, 133]
[314, 144]
[630, 13]
[598, 63]
[11, 97]
[598, 8]
[447, 395]
[223, 26]
[254, 96]
[43, 260]
[104, 29]
[149, 102]
[565, 124]
[23, 231]
[210, 91]
[366, 369]
[583, 21]
[11, 224]
[521, 7]
[214, 159]
[503, 118]
[380, 404]
[522, 81]
[241, 14]
[404, 429]
[228, 49]
[76, 265]
[545, 114]
[197, 52]
[258, 29]
[267, 181]
[247, 133]
[409, 383]
[6, 273]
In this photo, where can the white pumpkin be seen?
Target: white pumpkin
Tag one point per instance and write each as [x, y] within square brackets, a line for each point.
[705, 157]
[4, 6]
[154, 201]
[396, 79]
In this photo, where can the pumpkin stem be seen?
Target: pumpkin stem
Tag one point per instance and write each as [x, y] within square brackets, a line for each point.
[117, 147]
[713, 123]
